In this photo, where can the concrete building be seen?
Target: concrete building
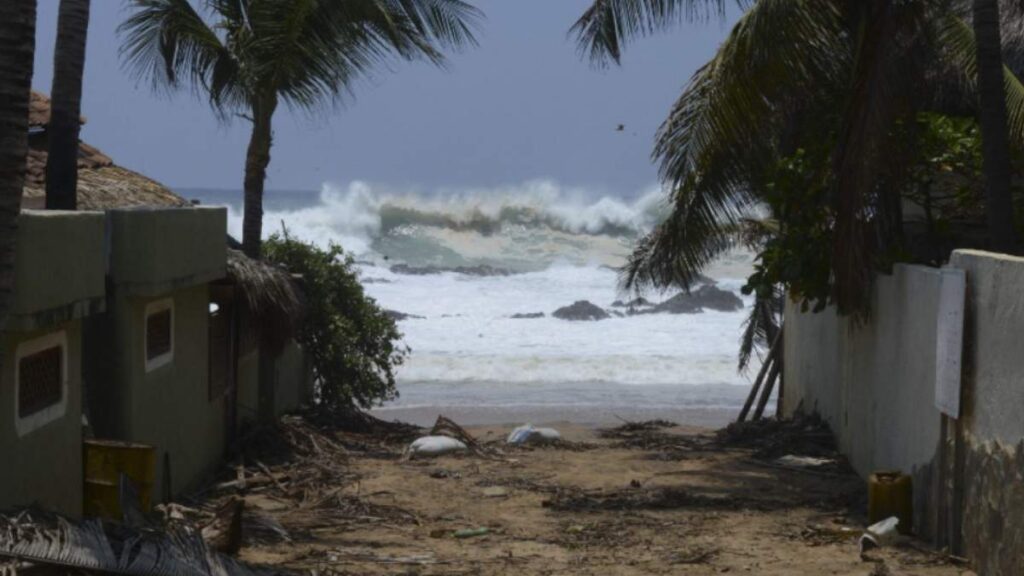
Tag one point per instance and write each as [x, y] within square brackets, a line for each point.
[59, 282]
[148, 358]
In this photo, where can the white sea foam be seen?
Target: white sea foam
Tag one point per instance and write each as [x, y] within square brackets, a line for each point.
[467, 350]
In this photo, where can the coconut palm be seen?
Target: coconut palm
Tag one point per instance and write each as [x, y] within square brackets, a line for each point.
[992, 116]
[17, 46]
[859, 68]
[66, 105]
[250, 56]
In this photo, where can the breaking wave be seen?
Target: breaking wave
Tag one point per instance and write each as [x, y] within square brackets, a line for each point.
[528, 226]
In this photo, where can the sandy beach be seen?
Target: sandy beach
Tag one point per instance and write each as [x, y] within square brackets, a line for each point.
[635, 499]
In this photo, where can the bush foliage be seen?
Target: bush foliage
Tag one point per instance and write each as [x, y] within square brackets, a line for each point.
[354, 344]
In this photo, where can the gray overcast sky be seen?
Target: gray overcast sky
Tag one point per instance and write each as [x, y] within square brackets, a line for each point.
[522, 106]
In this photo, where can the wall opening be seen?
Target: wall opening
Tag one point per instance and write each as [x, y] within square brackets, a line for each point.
[221, 344]
[159, 333]
[41, 380]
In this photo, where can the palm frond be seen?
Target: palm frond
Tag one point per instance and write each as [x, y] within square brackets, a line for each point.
[168, 43]
[956, 43]
[92, 546]
[761, 326]
[735, 102]
[603, 30]
[312, 51]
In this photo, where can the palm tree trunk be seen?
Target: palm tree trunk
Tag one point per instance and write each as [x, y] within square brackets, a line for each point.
[66, 105]
[993, 120]
[17, 47]
[256, 160]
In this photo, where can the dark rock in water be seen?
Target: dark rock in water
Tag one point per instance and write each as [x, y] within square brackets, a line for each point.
[681, 303]
[713, 298]
[398, 316]
[530, 316]
[706, 297]
[480, 270]
[375, 281]
[634, 303]
[581, 310]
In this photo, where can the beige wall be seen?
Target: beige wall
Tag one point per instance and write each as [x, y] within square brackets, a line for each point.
[168, 406]
[44, 465]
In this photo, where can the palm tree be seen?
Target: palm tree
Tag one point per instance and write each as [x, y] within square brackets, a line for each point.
[992, 116]
[17, 46]
[781, 71]
[249, 56]
[66, 105]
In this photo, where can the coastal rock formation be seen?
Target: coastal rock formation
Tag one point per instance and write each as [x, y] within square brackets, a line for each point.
[529, 316]
[399, 316]
[634, 303]
[581, 310]
[706, 297]
[478, 270]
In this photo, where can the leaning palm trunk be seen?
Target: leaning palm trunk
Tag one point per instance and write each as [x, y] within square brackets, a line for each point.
[17, 46]
[993, 121]
[65, 105]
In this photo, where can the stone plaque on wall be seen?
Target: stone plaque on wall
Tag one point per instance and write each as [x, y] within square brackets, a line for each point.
[950, 340]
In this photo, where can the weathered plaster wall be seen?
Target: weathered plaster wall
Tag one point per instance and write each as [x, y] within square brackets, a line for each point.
[169, 406]
[152, 251]
[59, 268]
[873, 381]
[156, 255]
[992, 421]
[43, 466]
[807, 374]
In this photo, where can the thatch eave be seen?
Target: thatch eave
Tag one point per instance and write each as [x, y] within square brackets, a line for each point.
[270, 295]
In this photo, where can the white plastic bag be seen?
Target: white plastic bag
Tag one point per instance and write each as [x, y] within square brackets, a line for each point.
[435, 446]
[527, 434]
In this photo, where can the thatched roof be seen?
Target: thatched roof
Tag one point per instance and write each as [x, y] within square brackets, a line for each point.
[101, 183]
[270, 295]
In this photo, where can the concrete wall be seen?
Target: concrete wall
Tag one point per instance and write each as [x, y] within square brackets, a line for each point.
[160, 256]
[42, 466]
[992, 423]
[874, 382]
[152, 251]
[168, 406]
[58, 280]
[58, 268]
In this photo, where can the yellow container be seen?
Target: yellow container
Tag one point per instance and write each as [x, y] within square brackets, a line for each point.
[105, 461]
[891, 494]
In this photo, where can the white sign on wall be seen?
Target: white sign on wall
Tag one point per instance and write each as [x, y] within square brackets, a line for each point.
[950, 340]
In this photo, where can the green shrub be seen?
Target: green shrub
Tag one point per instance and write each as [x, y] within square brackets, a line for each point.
[355, 346]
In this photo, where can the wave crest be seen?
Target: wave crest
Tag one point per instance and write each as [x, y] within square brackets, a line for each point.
[443, 226]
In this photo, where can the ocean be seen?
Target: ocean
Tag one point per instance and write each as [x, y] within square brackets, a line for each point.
[525, 249]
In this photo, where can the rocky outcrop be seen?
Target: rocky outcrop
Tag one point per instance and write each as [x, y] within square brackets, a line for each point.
[528, 316]
[634, 303]
[581, 310]
[707, 297]
[399, 316]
